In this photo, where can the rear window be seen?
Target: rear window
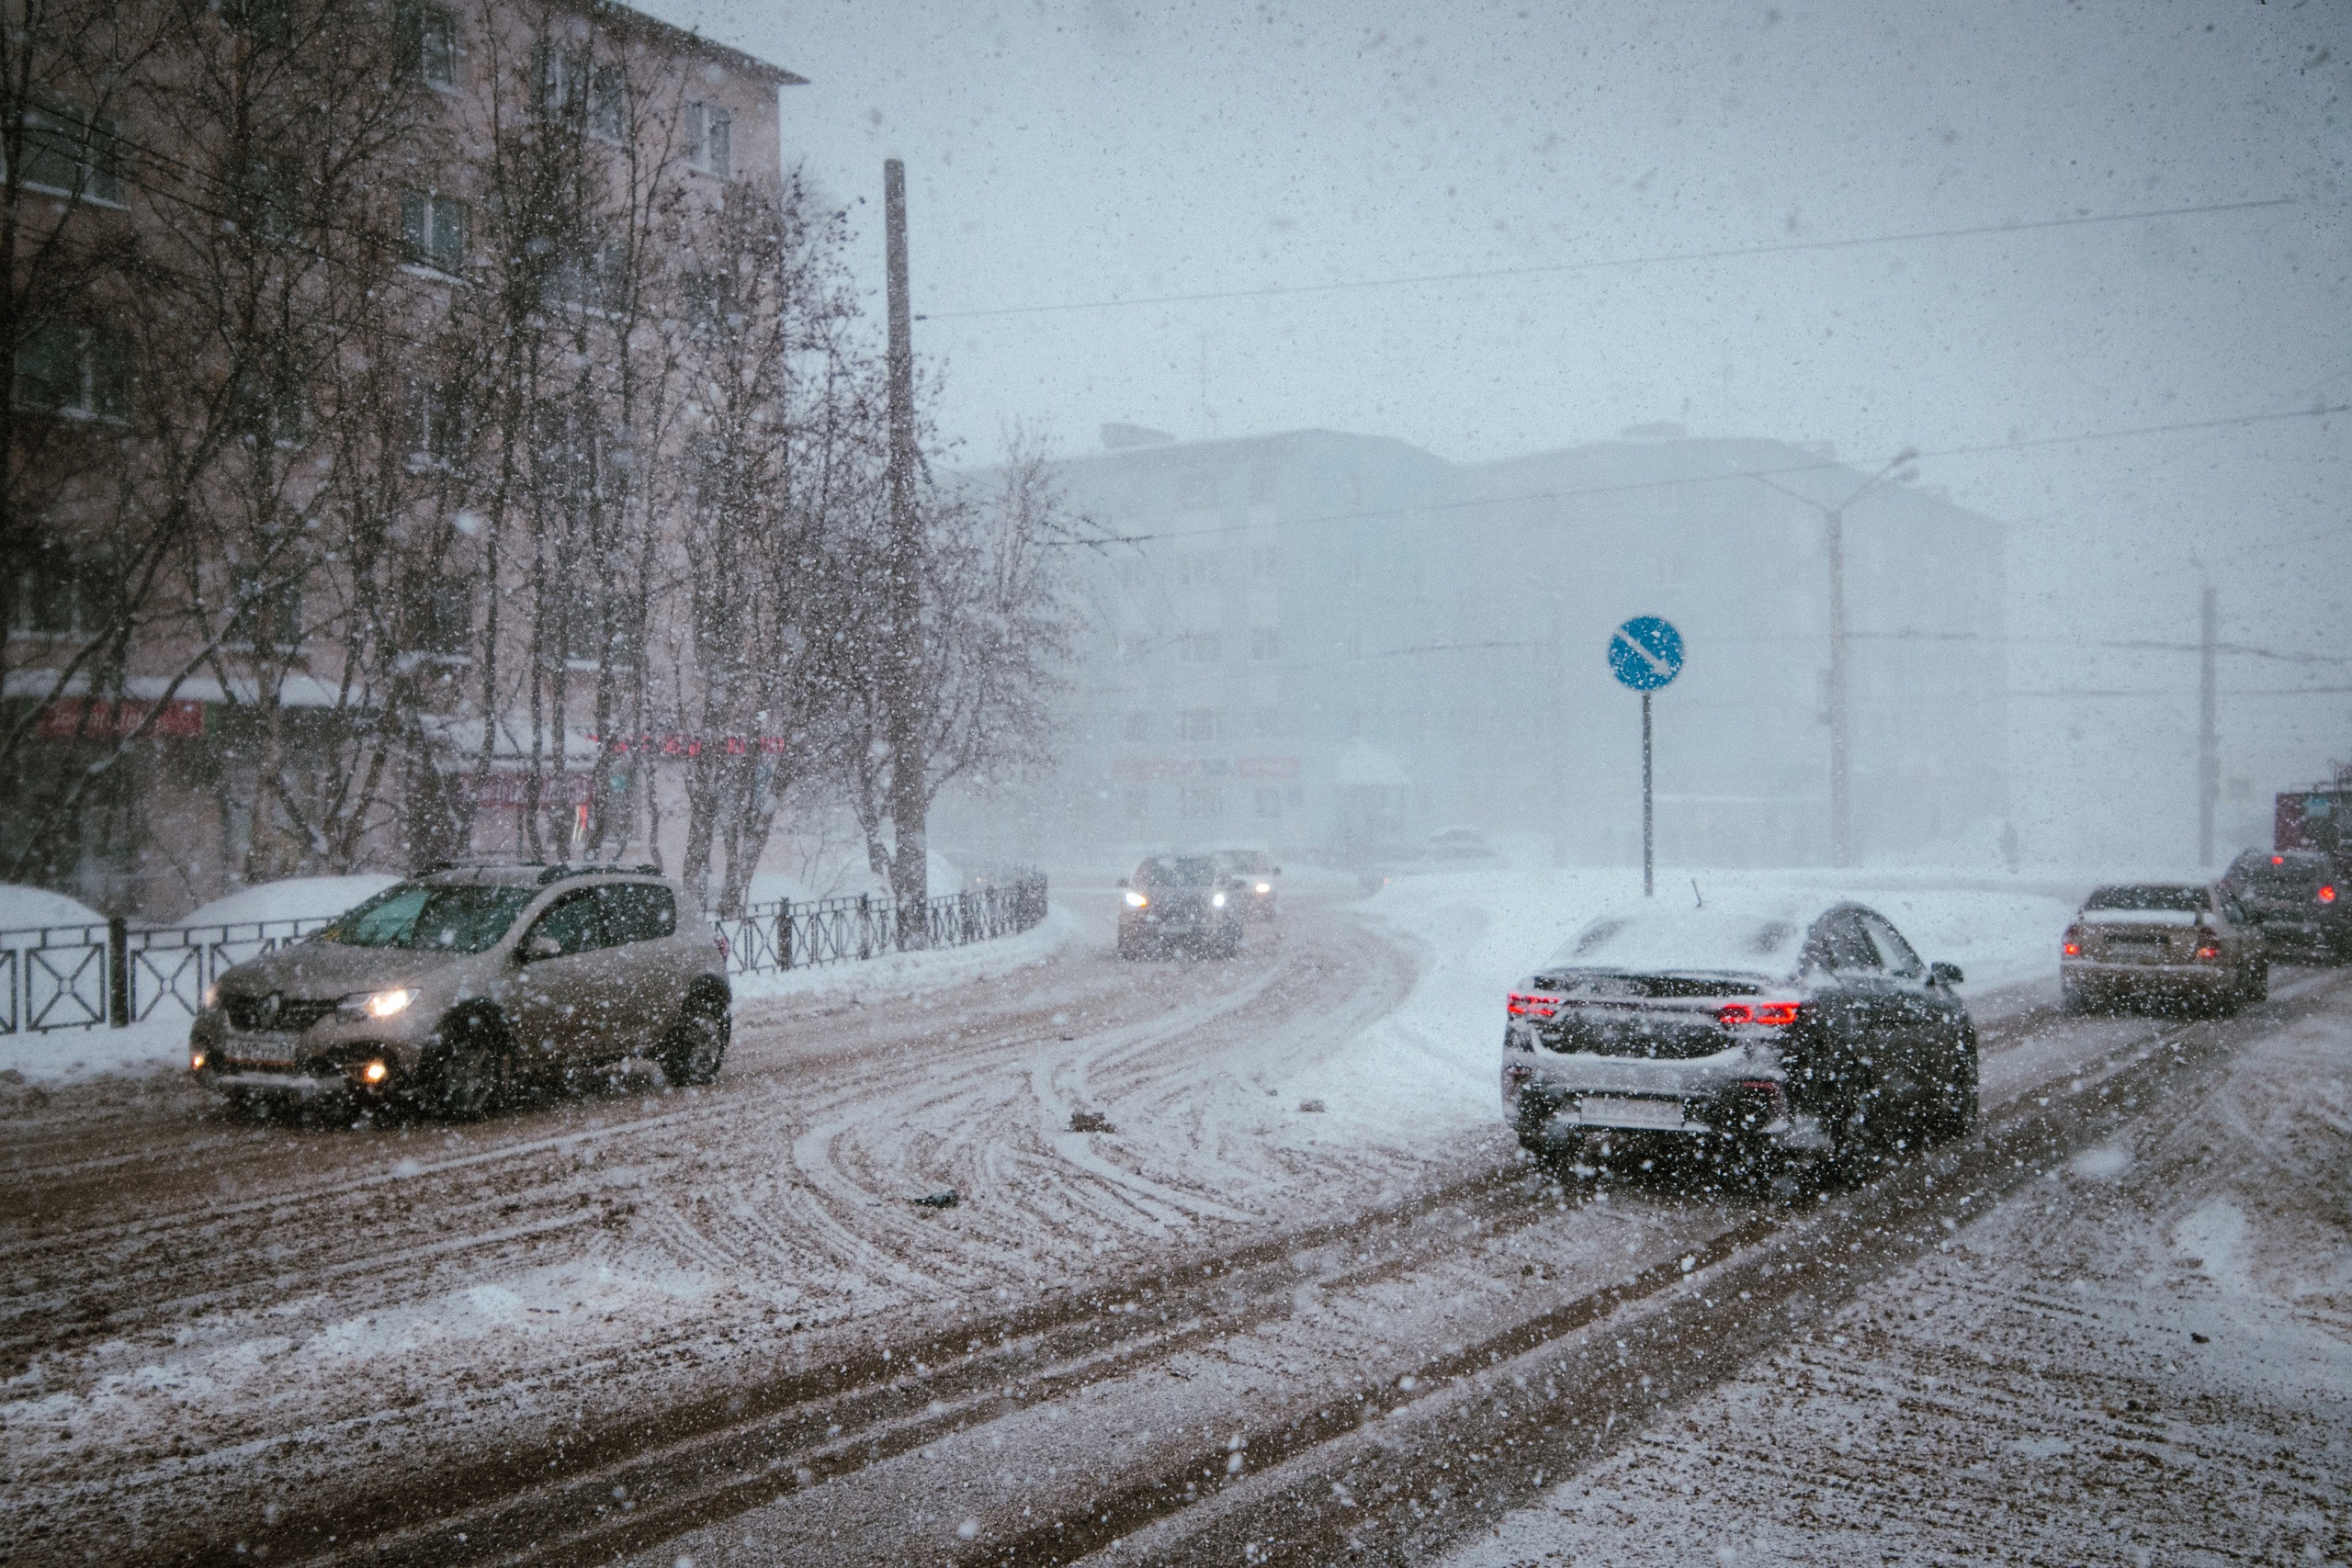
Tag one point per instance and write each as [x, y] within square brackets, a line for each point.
[1178, 871]
[1700, 940]
[2156, 898]
[444, 920]
[2278, 875]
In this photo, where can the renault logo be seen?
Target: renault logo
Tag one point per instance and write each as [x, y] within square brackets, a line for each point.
[269, 1006]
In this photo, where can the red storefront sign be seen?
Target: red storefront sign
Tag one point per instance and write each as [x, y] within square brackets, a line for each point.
[508, 788]
[95, 718]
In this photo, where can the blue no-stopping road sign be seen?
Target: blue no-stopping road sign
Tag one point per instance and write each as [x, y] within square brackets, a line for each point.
[1645, 653]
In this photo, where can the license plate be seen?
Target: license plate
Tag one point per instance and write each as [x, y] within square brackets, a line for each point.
[1610, 1111]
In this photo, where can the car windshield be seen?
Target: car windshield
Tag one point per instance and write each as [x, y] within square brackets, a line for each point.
[2279, 877]
[1246, 863]
[2156, 898]
[444, 919]
[1178, 871]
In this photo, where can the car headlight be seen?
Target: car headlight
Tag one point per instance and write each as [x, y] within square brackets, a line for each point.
[212, 994]
[1217, 900]
[1136, 900]
[376, 1004]
[1265, 887]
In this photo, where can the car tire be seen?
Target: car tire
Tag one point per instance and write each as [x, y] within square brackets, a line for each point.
[2076, 998]
[2257, 981]
[1953, 1114]
[696, 1045]
[465, 1074]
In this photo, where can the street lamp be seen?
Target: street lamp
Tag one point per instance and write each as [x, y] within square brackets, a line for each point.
[1842, 798]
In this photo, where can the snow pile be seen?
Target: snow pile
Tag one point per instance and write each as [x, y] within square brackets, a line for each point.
[898, 974]
[295, 898]
[25, 908]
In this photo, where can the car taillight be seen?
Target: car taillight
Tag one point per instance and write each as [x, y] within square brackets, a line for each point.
[1770, 1015]
[2209, 950]
[718, 939]
[2327, 893]
[1534, 1004]
[2072, 945]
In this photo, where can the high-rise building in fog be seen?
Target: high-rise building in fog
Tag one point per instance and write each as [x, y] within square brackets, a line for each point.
[1323, 639]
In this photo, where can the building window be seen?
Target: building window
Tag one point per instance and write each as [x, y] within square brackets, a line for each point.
[435, 424]
[710, 135]
[265, 609]
[268, 21]
[1133, 570]
[73, 153]
[1270, 803]
[589, 277]
[268, 202]
[433, 231]
[1265, 642]
[1135, 650]
[78, 372]
[1196, 723]
[1266, 723]
[1137, 802]
[1201, 803]
[273, 407]
[444, 618]
[1355, 724]
[1264, 563]
[1200, 647]
[1197, 490]
[572, 86]
[52, 594]
[427, 43]
[1196, 571]
[1136, 729]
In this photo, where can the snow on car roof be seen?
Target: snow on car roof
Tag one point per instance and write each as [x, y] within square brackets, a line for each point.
[1762, 938]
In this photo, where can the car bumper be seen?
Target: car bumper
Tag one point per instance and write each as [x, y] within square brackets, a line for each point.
[291, 1067]
[2305, 938]
[2099, 975]
[1728, 1096]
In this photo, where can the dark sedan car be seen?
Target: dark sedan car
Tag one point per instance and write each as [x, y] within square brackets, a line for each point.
[1179, 903]
[1730, 1033]
[2300, 899]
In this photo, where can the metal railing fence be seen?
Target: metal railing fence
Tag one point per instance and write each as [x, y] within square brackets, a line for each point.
[106, 973]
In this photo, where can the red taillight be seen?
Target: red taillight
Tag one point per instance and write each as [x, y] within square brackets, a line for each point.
[720, 938]
[1770, 1015]
[2209, 950]
[2073, 950]
[2327, 893]
[1533, 1004]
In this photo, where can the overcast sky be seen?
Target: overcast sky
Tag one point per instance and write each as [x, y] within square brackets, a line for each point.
[1062, 154]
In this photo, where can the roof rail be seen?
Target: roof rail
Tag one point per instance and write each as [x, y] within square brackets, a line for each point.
[561, 870]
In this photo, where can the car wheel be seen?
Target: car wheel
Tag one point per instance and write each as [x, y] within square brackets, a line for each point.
[2075, 996]
[465, 1076]
[1954, 1111]
[2258, 985]
[696, 1044]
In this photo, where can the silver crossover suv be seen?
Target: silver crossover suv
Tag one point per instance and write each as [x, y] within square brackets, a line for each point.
[445, 991]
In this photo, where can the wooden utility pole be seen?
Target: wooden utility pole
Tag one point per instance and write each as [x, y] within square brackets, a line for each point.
[903, 729]
[2209, 741]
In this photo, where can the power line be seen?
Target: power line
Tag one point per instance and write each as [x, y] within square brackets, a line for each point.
[1728, 253]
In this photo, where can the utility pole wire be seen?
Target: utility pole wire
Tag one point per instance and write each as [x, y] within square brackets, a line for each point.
[1733, 252]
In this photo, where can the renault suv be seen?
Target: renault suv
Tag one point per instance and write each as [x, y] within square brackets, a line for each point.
[1182, 903]
[444, 992]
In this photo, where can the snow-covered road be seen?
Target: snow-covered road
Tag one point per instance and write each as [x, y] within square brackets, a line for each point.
[716, 1325]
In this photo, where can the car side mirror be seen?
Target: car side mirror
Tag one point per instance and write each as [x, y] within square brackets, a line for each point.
[1944, 974]
[538, 947]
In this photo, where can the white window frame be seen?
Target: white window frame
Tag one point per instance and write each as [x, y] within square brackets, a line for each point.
[87, 403]
[95, 148]
[426, 20]
[708, 127]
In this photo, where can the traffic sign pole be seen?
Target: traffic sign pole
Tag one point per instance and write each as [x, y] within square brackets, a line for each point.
[1646, 654]
[1647, 888]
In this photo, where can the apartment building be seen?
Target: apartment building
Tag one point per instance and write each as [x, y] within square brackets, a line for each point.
[1323, 640]
[337, 406]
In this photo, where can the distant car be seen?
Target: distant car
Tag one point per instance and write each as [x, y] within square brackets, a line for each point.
[2301, 898]
[1180, 903]
[1252, 874]
[1458, 843]
[442, 991]
[1731, 1034]
[2172, 944]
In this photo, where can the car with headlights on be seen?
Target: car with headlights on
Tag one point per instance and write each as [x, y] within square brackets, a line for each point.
[1730, 1034]
[2170, 944]
[1251, 874]
[1183, 904]
[2301, 898]
[445, 991]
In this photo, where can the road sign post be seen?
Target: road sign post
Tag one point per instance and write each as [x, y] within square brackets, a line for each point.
[1646, 654]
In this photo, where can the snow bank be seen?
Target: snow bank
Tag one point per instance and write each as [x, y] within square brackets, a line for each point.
[66, 1055]
[23, 908]
[295, 898]
[899, 973]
